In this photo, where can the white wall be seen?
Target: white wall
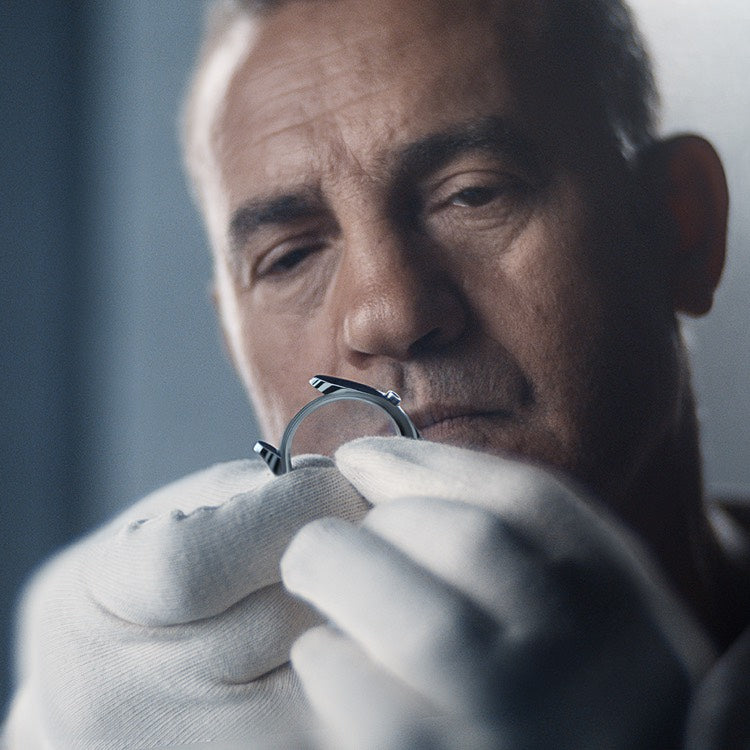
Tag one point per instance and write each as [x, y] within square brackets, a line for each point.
[701, 52]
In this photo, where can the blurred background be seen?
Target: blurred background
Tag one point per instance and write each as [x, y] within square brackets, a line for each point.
[113, 378]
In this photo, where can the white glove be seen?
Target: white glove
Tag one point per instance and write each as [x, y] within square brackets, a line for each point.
[168, 626]
[484, 604]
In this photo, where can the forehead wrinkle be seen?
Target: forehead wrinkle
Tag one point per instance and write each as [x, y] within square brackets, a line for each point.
[384, 33]
[375, 56]
[327, 130]
[304, 120]
[276, 63]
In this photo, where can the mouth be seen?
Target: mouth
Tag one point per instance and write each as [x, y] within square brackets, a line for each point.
[461, 426]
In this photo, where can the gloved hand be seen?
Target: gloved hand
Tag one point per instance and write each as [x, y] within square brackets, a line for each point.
[168, 626]
[483, 603]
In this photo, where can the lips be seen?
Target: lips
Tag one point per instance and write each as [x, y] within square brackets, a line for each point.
[441, 422]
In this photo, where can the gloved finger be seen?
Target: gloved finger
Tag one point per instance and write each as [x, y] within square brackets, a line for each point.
[542, 509]
[178, 568]
[478, 553]
[358, 704]
[363, 707]
[533, 502]
[416, 626]
[94, 671]
[385, 469]
[211, 486]
[249, 640]
[546, 604]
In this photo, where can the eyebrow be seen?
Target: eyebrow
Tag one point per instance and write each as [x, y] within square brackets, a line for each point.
[417, 160]
[493, 135]
[277, 210]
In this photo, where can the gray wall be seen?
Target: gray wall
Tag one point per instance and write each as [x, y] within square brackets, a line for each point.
[160, 397]
[37, 289]
[113, 377]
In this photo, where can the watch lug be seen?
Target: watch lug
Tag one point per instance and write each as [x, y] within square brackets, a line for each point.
[320, 383]
[270, 455]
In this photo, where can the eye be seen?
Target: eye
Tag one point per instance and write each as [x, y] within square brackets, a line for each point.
[287, 258]
[475, 197]
[473, 190]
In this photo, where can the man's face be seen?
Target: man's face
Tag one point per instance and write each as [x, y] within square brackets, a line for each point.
[404, 200]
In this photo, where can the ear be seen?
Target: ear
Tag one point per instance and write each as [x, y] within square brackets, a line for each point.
[688, 185]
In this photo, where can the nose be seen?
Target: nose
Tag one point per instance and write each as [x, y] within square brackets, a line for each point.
[397, 301]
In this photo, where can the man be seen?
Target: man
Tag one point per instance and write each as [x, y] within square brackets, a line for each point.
[464, 202]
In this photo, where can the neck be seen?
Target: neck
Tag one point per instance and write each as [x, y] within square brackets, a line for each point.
[667, 510]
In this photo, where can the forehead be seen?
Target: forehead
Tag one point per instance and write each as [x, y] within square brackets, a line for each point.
[362, 76]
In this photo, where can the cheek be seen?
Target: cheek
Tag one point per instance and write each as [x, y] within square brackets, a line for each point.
[278, 356]
[541, 302]
[555, 301]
